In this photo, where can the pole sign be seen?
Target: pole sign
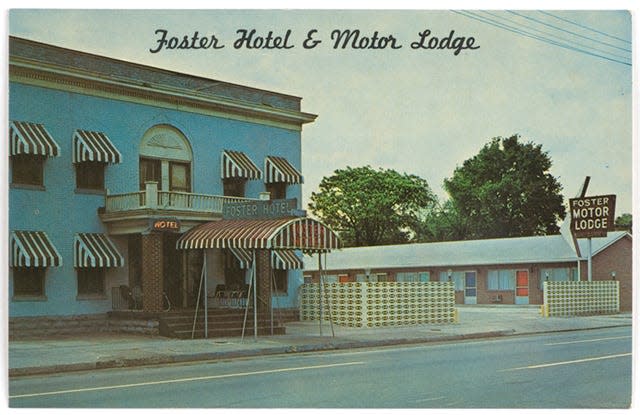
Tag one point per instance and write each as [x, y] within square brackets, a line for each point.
[260, 209]
[592, 216]
[164, 225]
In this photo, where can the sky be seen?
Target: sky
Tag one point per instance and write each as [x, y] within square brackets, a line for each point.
[417, 111]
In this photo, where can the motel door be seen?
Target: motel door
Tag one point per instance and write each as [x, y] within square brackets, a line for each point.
[470, 288]
[522, 287]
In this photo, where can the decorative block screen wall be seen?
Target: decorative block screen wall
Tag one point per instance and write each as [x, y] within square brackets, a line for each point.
[574, 298]
[375, 304]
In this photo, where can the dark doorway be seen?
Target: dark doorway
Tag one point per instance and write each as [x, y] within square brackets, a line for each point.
[172, 265]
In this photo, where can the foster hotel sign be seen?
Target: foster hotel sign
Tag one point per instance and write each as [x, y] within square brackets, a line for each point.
[592, 216]
[259, 209]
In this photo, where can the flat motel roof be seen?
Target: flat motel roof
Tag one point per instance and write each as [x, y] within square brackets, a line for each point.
[535, 249]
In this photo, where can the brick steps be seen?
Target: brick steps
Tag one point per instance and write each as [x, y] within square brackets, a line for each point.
[220, 323]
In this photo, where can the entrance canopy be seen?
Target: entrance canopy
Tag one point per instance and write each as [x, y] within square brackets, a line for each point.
[305, 234]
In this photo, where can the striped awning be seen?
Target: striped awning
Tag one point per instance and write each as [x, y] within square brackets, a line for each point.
[285, 260]
[279, 170]
[31, 138]
[33, 249]
[243, 256]
[94, 146]
[236, 164]
[95, 250]
[282, 233]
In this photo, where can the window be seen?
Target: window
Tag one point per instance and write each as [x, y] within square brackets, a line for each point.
[27, 169]
[281, 280]
[90, 175]
[330, 278]
[179, 177]
[503, 279]
[277, 190]
[382, 277]
[308, 279]
[457, 277]
[412, 276]
[234, 187]
[28, 281]
[557, 274]
[150, 171]
[91, 281]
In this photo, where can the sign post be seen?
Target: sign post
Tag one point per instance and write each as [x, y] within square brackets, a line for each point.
[592, 216]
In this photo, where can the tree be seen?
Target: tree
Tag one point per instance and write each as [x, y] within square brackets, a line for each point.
[506, 190]
[371, 207]
[624, 222]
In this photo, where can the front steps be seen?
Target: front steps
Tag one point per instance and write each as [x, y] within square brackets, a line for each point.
[221, 322]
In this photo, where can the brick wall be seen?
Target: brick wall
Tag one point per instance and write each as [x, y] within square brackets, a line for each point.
[616, 258]
[263, 280]
[152, 278]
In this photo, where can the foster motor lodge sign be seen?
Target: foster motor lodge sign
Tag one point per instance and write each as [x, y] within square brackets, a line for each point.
[592, 216]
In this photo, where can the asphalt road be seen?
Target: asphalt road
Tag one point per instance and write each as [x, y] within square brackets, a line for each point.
[582, 369]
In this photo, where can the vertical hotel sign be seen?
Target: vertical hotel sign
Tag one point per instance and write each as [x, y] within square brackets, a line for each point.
[592, 216]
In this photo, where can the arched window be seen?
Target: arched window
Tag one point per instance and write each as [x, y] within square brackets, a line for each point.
[165, 157]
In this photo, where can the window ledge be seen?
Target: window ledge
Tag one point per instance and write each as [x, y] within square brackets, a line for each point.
[100, 192]
[28, 187]
[91, 297]
[27, 298]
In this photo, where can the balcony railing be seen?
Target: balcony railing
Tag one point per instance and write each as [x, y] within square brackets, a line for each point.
[152, 198]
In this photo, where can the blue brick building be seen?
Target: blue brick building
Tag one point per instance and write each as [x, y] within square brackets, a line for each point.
[102, 150]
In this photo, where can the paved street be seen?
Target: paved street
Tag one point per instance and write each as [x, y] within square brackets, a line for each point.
[577, 369]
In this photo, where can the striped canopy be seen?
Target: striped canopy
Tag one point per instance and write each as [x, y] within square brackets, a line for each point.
[31, 138]
[285, 260]
[33, 249]
[282, 233]
[236, 164]
[94, 146]
[95, 250]
[279, 170]
[242, 256]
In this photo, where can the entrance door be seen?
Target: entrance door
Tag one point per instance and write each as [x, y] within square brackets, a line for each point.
[172, 269]
[522, 287]
[470, 289]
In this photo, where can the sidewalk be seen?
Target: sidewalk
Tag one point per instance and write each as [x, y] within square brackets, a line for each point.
[99, 351]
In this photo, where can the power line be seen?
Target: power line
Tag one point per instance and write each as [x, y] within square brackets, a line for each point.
[584, 27]
[499, 25]
[552, 36]
[567, 31]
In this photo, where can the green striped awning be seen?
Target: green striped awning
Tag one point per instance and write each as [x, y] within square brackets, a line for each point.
[33, 249]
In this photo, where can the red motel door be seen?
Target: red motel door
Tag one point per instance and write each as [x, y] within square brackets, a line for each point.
[522, 287]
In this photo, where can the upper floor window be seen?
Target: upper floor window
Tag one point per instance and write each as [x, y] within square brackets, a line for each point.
[29, 144]
[90, 175]
[233, 187]
[179, 177]
[278, 174]
[92, 151]
[237, 168]
[165, 158]
[150, 172]
[277, 190]
[27, 169]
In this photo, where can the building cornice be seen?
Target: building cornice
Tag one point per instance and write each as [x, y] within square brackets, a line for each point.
[29, 72]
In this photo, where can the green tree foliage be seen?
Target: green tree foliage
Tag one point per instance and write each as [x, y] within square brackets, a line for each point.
[505, 190]
[371, 207]
[624, 222]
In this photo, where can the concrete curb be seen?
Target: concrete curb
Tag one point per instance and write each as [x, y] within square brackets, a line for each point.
[210, 356]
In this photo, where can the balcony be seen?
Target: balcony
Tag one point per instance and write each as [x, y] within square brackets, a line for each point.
[130, 212]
